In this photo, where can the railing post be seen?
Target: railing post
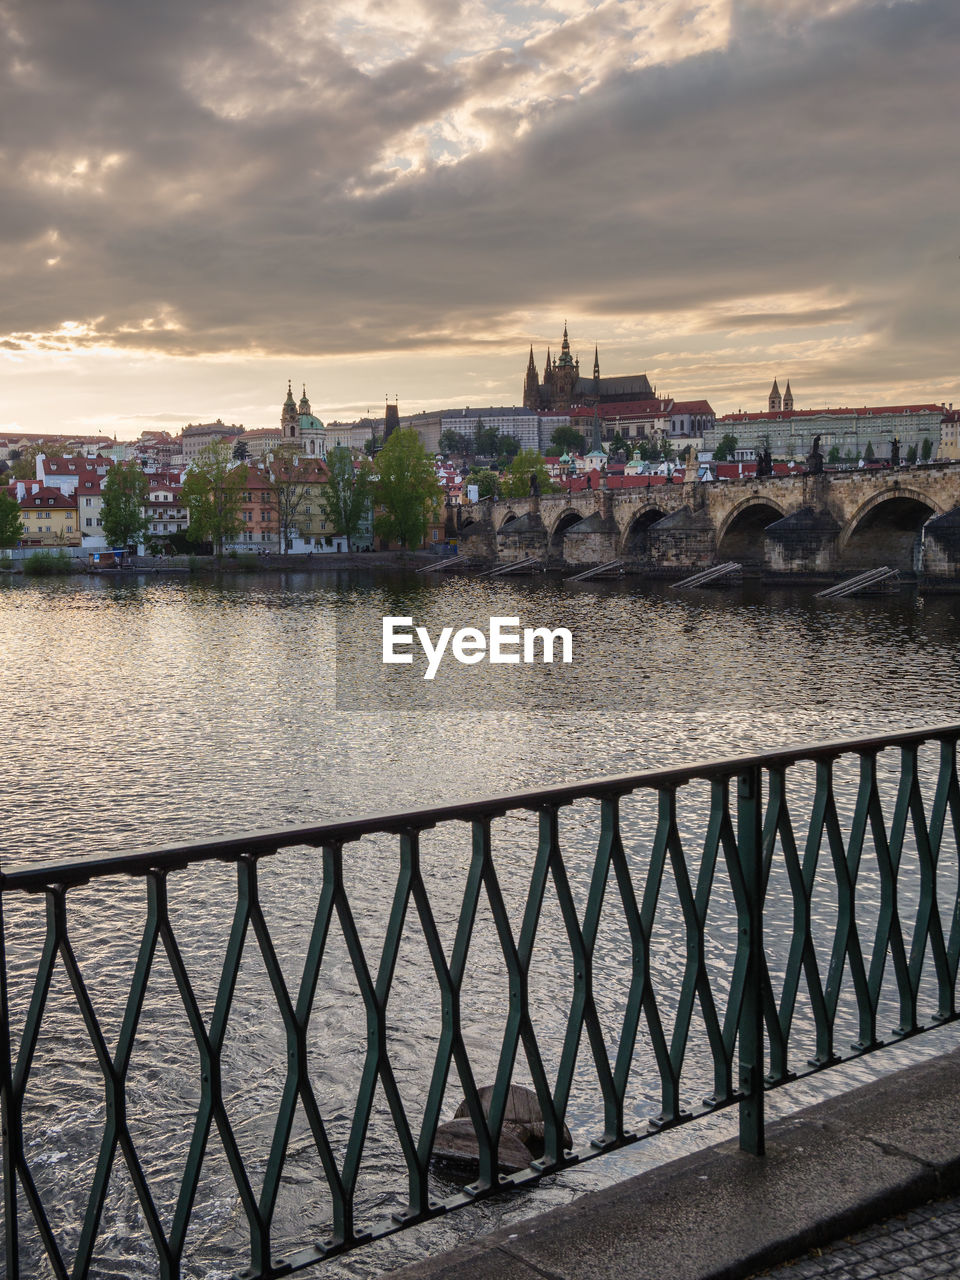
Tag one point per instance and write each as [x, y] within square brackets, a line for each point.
[750, 852]
[9, 1118]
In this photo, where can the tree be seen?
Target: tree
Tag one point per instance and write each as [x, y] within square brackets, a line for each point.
[11, 526]
[286, 493]
[619, 445]
[567, 439]
[486, 440]
[926, 449]
[372, 445]
[347, 493]
[212, 492]
[509, 447]
[406, 490]
[122, 514]
[454, 442]
[911, 455]
[834, 454]
[516, 481]
[868, 453]
[240, 451]
[725, 447]
[25, 463]
[487, 481]
[646, 450]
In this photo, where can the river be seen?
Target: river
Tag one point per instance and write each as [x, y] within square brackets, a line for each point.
[151, 710]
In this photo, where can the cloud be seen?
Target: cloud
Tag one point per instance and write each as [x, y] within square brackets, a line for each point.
[327, 180]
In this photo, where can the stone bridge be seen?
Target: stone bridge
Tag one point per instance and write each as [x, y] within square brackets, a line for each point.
[828, 524]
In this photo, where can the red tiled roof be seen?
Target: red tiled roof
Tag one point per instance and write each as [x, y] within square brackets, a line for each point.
[874, 411]
[691, 406]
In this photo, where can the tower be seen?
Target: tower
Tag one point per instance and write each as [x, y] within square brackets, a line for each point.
[788, 399]
[304, 406]
[531, 385]
[774, 402]
[289, 418]
[596, 374]
[567, 375]
[391, 419]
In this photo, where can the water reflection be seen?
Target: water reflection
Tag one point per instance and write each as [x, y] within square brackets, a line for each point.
[157, 710]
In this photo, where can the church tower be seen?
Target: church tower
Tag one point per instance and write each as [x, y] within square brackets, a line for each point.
[567, 375]
[289, 418]
[531, 385]
[774, 402]
[304, 406]
[788, 399]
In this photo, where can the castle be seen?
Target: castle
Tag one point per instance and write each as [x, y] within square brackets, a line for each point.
[562, 386]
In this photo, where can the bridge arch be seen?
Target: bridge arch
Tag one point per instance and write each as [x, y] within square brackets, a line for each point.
[564, 521]
[886, 529]
[508, 518]
[740, 536]
[633, 543]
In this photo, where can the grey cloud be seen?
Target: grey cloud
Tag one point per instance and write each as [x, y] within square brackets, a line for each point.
[813, 153]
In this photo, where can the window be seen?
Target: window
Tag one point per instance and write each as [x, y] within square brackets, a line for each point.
[89, 522]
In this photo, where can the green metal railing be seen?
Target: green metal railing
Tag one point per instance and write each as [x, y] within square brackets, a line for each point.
[871, 828]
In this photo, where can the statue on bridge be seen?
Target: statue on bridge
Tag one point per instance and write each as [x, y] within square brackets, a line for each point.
[534, 485]
[764, 462]
[815, 459]
[895, 451]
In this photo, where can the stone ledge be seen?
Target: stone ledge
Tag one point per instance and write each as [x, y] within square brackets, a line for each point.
[721, 1215]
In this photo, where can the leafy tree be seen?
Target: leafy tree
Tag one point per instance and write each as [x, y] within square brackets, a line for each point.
[834, 454]
[619, 445]
[406, 490]
[455, 442]
[486, 440]
[868, 453]
[286, 493]
[926, 449]
[125, 492]
[25, 463]
[372, 445]
[911, 455]
[725, 447]
[212, 493]
[487, 481]
[567, 440]
[516, 481]
[646, 450]
[11, 526]
[347, 493]
[667, 452]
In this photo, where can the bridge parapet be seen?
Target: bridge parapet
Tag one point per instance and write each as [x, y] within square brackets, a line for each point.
[856, 519]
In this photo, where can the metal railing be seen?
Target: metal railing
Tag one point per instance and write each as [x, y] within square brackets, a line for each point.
[837, 868]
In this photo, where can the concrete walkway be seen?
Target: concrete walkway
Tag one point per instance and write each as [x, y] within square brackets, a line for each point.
[831, 1170]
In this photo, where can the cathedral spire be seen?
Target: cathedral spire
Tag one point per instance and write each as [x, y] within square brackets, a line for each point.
[596, 362]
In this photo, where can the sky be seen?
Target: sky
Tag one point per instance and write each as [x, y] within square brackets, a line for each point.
[201, 199]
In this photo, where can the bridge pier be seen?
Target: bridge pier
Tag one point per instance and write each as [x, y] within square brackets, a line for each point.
[941, 549]
[681, 542]
[804, 542]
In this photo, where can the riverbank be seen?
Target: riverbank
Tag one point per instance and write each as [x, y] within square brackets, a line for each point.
[831, 1169]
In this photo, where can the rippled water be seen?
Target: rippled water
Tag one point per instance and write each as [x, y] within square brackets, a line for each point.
[158, 710]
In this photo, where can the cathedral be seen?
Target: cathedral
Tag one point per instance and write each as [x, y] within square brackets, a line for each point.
[298, 423]
[563, 387]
